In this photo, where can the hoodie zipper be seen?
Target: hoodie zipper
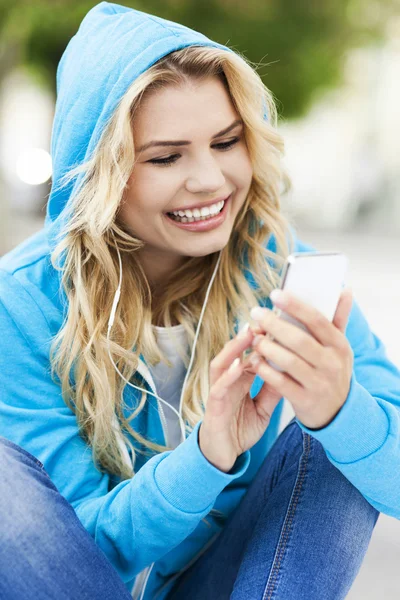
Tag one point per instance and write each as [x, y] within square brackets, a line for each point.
[163, 422]
[139, 582]
[142, 368]
[144, 371]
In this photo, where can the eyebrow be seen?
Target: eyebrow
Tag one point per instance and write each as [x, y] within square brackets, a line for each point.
[187, 142]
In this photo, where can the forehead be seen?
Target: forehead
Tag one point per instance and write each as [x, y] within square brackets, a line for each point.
[179, 110]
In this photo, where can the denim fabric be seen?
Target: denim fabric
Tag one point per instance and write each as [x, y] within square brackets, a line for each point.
[300, 532]
[45, 552]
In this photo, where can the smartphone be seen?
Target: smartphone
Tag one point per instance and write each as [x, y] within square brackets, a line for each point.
[316, 278]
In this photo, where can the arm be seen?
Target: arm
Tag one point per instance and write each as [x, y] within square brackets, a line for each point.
[363, 440]
[140, 519]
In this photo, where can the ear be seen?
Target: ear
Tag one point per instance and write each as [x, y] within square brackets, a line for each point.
[343, 310]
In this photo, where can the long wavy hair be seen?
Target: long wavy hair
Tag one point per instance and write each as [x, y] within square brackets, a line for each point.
[90, 272]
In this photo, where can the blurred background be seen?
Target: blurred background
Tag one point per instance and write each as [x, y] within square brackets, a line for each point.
[334, 69]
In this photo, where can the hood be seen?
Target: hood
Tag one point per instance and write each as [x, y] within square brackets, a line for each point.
[112, 47]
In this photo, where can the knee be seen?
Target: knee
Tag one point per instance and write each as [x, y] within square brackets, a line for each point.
[20, 473]
[283, 458]
[290, 444]
[25, 497]
[342, 499]
[11, 452]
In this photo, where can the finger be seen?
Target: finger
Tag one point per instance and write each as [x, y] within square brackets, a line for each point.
[265, 402]
[248, 365]
[220, 404]
[317, 324]
[229, 376]
[343, 310]
[291, 337]
[290, 363]
[282, 383]
[234, 348]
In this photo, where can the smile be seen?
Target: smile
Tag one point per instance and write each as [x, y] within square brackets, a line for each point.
[210, 220]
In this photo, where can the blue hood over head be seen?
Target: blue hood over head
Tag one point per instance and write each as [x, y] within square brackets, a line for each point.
[112, 47]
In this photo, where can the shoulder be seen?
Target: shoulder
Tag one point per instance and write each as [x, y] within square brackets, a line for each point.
[30, 291]
[295, 244]
[32, 250]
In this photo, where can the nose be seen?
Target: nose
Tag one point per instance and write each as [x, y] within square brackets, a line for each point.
[206, 176]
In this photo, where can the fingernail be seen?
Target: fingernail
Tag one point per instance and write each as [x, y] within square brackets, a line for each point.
[257, 313]
[234, 364]
[257, 340]
[278, 297]
[243, 331]
[255, 359]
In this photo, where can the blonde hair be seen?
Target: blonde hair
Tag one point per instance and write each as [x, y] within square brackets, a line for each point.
[90, 270]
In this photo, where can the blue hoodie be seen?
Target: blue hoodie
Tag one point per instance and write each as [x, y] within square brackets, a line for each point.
[154, 519]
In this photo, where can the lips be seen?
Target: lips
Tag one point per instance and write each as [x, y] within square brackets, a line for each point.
[205, 224]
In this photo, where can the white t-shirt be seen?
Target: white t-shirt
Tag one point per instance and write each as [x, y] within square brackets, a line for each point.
[169, 381]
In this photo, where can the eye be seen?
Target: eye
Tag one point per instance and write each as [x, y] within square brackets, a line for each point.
[227, 145]
[169, 160]
[164, 161]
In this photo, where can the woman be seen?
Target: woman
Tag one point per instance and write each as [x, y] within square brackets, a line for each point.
[109, 490]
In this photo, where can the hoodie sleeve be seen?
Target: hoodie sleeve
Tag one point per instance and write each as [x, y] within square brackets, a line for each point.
[363, 440]
[140, 519]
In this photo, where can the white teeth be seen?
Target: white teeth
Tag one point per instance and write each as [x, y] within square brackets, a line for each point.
[203, 212]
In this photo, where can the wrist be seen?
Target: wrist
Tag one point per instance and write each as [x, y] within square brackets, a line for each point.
[210, 455]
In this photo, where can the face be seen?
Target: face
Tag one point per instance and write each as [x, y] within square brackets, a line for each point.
[202, 168]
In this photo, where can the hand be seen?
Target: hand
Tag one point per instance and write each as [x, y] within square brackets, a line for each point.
[233, 422]
[317, 367]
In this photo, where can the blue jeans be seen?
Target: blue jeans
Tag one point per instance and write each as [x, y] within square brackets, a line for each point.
[300, 532]
[45, 552]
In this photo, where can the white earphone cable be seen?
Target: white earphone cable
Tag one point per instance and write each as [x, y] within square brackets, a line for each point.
[110, 324]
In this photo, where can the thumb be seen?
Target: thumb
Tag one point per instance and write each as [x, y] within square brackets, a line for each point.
[266, 401]
[343, 310]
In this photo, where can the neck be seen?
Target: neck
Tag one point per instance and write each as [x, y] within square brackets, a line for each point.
[155, 319]
[158, 323]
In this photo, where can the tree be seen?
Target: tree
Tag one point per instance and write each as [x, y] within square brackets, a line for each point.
[300, 45]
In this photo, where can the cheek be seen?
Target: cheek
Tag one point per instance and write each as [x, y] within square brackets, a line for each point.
[156, 184]
[247, 168]
[242, 170]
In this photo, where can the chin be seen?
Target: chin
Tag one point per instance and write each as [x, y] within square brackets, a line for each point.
[207, 249]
